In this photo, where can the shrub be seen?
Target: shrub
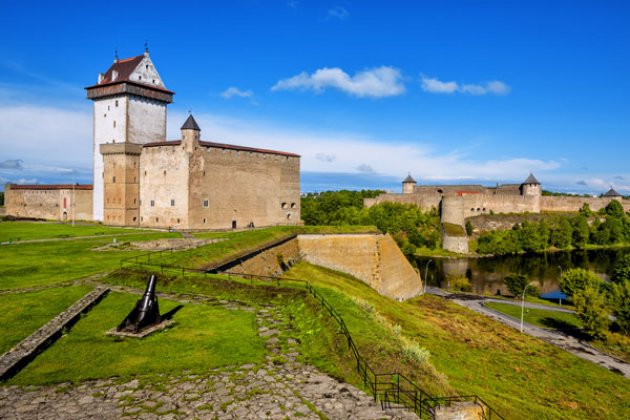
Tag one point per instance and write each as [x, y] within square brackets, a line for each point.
[575, 280]
[620, 303]
[459, 283]
[413, 351]
[621, 272]
[590, 308]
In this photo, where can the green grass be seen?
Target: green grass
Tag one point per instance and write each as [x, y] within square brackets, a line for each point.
[615, 343]
[518, 375]
[202, 338]
[45, 263]
[22, 314]
[452, 229]
[24, 231]
[538, 317]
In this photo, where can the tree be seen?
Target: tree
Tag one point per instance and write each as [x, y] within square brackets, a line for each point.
[591, 309]
[561, 234]
[575, 280]
[586, 210]
[621, 272]
[516, 283]
[580, 231]
[614, 209]
[469, 228]
[620, 303]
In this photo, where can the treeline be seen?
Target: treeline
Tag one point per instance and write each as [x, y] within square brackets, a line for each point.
[410, 226]
[609, 227]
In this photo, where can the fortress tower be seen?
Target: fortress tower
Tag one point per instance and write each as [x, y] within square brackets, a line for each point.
[129, 109]
[531, 186]
[408, 185]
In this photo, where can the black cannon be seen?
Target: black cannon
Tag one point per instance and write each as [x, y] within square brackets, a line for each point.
[146, 312]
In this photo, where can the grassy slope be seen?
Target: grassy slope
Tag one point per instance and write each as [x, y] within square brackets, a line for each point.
[520, 376]
[30, 311]
[203, 338]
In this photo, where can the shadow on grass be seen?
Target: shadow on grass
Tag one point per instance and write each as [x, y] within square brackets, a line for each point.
[170, 314]
[565, 328]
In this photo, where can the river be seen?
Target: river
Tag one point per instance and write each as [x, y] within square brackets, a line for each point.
[486, 274]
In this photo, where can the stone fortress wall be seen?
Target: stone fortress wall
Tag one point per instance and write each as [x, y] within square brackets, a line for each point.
[51, 202]
[458, 202]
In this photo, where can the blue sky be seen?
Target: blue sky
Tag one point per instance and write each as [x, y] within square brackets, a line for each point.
[365, 91]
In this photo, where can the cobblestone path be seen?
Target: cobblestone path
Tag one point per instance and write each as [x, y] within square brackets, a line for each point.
[280, 388]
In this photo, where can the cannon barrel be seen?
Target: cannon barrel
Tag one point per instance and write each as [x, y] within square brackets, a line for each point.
[146, 312]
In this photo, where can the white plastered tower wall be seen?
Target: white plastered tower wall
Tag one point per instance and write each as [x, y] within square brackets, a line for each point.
[129, 107]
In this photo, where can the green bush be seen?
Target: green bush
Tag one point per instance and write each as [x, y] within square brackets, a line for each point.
[576, 280]
[516, 283]
[459, 283]
[591, 309]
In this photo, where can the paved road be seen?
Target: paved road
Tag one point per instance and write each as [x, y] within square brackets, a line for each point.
[565, 342]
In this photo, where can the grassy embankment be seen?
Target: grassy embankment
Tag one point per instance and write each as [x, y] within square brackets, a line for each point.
[26, 231]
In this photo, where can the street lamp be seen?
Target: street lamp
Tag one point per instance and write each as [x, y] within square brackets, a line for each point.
[560, 297]
[523, 306]
[426, 270]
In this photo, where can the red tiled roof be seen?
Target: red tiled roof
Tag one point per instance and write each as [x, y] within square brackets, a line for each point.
[50, 187]
[223, 146]
[124, 68]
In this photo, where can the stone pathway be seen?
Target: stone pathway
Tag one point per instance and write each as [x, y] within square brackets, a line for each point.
[279, 388]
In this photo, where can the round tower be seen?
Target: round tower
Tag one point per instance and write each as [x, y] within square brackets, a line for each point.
[408, 185]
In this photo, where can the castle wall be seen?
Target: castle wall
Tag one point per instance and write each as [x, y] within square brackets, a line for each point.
[423, 201]
[476, 204]
[572, 204]
[164, 175]
[374, 259]
[48, 203]
[243, 187]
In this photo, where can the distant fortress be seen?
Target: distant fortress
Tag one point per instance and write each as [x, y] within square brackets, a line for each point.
[458, 202]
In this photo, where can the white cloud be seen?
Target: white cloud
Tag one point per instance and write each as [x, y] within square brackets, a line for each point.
[338, 12]
[234, 91]
[377, 82]
[326, 152]
[437, 86]
[433, 85]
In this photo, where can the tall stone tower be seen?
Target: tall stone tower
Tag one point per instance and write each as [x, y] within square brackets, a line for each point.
[408, 185]
[129, 108]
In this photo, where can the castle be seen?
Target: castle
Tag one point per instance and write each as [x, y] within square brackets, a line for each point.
[459, 202]
[141, 179]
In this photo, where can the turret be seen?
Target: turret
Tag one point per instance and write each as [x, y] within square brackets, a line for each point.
[190, 133]
[531, 186]
[408, 185]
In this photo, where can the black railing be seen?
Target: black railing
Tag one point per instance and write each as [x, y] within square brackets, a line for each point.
[388, 388]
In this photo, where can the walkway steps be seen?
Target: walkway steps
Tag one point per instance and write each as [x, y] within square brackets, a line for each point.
[19, 356]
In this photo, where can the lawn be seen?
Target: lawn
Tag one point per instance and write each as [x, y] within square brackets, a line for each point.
[614, 343]
[21, 314]
[45, 263]
[202, 338]
[539, 317]
[23, 231]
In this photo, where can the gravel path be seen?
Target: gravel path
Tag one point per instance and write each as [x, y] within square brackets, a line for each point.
[279, 388]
